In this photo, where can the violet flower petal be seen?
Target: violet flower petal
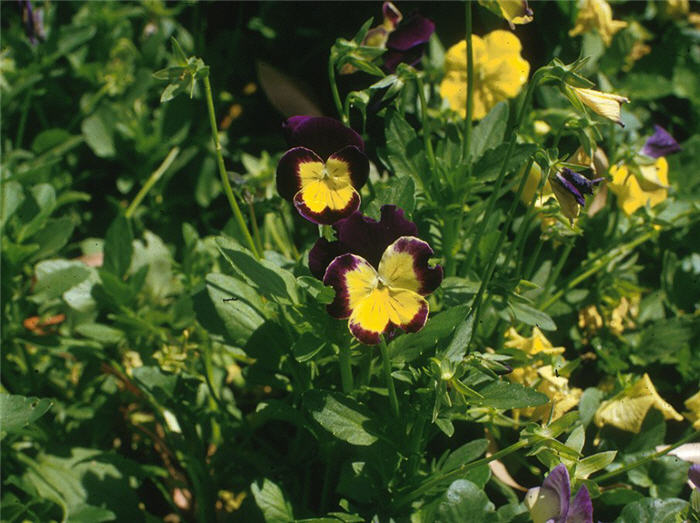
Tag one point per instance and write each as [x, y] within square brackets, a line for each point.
[411, 32]
[570, 188]
[321, 134]
[661, 143]
[558, 483]
[581, 510]
[694, 475]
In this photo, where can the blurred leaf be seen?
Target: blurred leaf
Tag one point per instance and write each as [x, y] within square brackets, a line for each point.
[52, 237]
[490, 131]
[16, 412]
[340, 416]
[118, 248]
[54, 277]
[12, 198]
[153, 254]
[35, 210]
[588, 405]
[530, 316]
[404, 149]
[98, 130]
[490, 163]
[316, 289]
[270, 499]
[99, 332]
[652, 510]
[286, 94]
[464, 501]
[396, 191]
[506, 395]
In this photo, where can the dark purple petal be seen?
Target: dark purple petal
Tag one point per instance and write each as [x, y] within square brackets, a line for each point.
[411, 32]
[694, 475]
[357, 164]
[583, 184]
[288, 178]
[557, 482]
[321, 134]
[393, 58]
[365, 336]
[322, 254]
[581, 510]
[570, 188]
[335, 276]
[328, 215]
[396, 268]
[660, 143]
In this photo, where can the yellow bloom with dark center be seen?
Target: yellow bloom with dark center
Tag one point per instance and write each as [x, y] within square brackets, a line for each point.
[499, 72]
[633, 192]
[627, 410]
[604, 104]
[377, 300]
[596, 14]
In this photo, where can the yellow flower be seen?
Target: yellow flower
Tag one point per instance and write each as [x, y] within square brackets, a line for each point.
[633, 193]
[596, 14]
[541, 127]
[627, 410]
[533, 345]
[499, 72]
[621, 317]
[693, 404]
[605, 104]
[676, 8]
[589, 320]
[556, 388]
[514, 11]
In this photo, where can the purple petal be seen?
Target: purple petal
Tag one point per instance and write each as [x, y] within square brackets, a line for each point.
[322, 254]
[582, 184]
[321, 134]
[328, 215]
[336, 277]
[694, 475]
[661, 143]
[557, 482]
[570, 188]
[411, 32]
[581, 510]
[392, 57]
[288, 176]
[405, 265]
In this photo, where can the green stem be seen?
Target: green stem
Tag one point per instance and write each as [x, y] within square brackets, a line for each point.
[554, 274]
[222, 171]
[345, 369]
[470, 86]
[596, 265]
[502, 174]
[155, 176]
[646, 459]
[434, 481]
[254, 225]
[334, 90]
[393, 400]
[426, 128]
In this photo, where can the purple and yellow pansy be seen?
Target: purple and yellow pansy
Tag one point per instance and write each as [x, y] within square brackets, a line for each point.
[324, 170]
[375, 300]
[570, 189]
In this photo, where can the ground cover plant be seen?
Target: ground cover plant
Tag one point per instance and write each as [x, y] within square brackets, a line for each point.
[350, 261]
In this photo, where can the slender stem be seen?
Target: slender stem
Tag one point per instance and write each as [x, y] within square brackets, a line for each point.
[393, 400]
[596, 265]
[222, 171]
[426, 128]
[254, 225]
[334, 90]
[554, 274]
[647, 459]
[434, 481]
[502, 174]
[345, 369]
[155, 176]
[470, 86]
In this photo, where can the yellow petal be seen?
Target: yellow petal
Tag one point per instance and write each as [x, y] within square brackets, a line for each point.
[628, 409]
[605, 104]
[633, 194]
[532, 345]
[596, 14]
[693, 404]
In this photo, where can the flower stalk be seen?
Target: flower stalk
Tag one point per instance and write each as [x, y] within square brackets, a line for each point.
[386, 361]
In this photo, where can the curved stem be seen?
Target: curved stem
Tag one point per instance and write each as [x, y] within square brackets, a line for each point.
[470, 86]
[393, 399]
[334, 90]
[345, 369]
[222, 171]
[155, 176]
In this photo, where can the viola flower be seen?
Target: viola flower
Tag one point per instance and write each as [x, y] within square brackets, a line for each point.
[324, 170]
[551, 503]
[604, 104]
[361, 235]
[570, 187]
[660, 143]
[596, 14]
[627, 410]
[694, 476]
[499, 72]
[634, 192]
[33, 22]
[377, 300]
[535, 344]
[514, 11]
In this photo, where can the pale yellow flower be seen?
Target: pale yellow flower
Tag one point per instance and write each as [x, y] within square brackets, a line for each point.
[514, 11]
[533, 345]
[627, 410]
[596, 14]
[541, 127]
[633, 193]
[605, 104]
[499, 72]
[693, 406]
[562, 397]
[676, 8]
[589, 320]
[621, 317]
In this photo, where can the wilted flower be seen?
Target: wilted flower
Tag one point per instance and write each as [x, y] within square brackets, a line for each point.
[693, 406]
[570, 187]
[514, 11]
[535, 344]
[551, 503]
[499, 72]
[634, 192]
[605, 104]
[361, 235]
[374, 300]
[660, 143]
[627, 409]
[596, 14]
[324, 170]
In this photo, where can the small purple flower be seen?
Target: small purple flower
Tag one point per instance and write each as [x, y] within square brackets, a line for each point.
[570, 187]
[407, 42]
[660, 143]
[551, 503]
[694, 475]
[33, 22]
[361, 235]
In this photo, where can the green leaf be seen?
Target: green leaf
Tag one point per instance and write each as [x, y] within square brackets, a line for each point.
[102, 333]
[594, 463]
[397, 191]
[316, 289]
[52, 237]
[341, 416]
[271, 501]
[652, 510]
[270, 280]
[588, 405]
[465, 501]
[465, 454]
[153, 254]
[404, 149]
[98, 130]
[54, 277]
[12, 198]
[118, 248]
[35, 210]
[529, 315]
[489, 166]
[306, 347]
[490, 131]
[16, 412]
[506, 395]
